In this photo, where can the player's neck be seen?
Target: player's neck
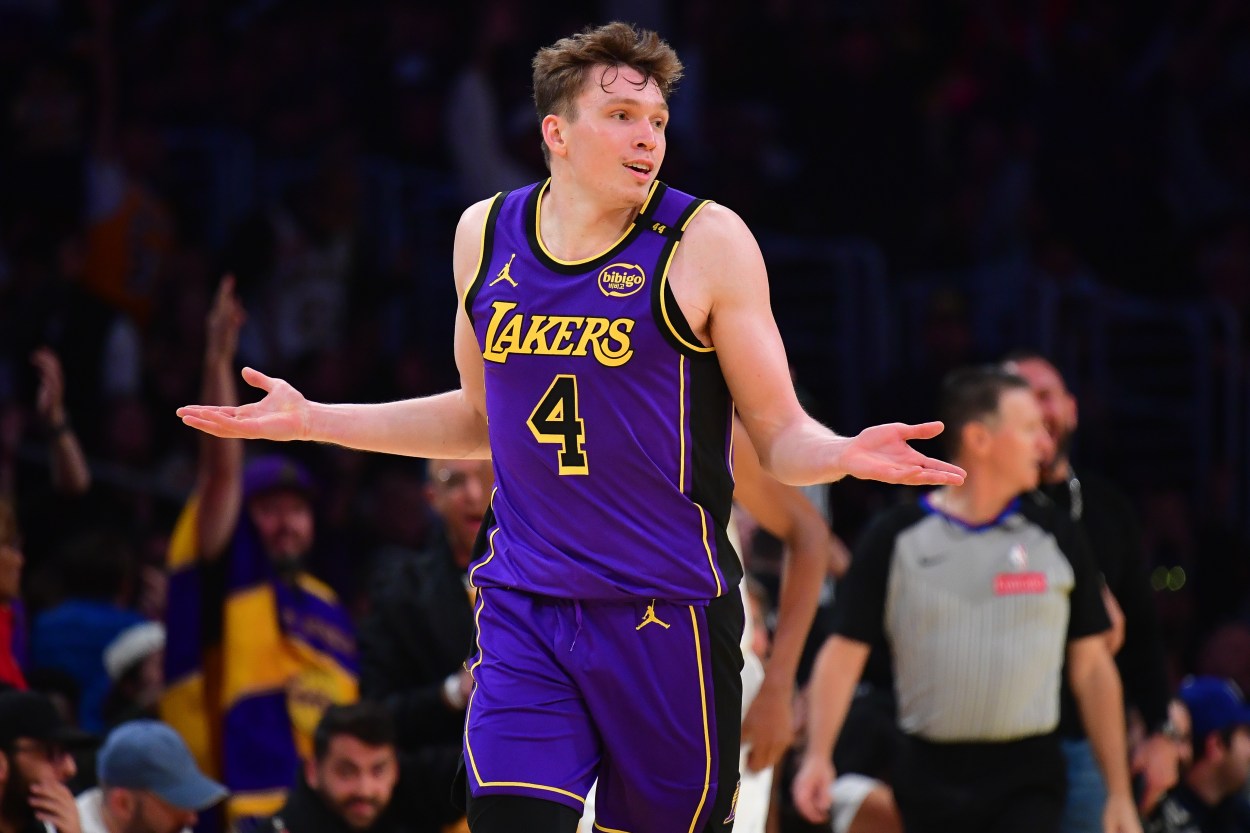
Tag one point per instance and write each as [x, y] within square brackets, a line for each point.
[978, 501]
[576, 223]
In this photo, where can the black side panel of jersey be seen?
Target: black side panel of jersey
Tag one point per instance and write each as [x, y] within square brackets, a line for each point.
[488, 250]
[710, 483]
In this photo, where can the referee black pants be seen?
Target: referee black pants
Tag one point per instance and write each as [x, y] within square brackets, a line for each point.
[1009, 787]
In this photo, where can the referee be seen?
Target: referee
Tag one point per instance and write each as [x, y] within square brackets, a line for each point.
[979, 591]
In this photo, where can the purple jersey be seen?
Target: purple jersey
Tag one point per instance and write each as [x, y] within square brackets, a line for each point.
[610, 423]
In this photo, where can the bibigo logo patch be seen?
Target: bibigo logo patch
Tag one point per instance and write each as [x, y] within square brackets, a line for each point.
[620, 280]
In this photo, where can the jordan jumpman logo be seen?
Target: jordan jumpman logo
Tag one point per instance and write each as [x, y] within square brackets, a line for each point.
[505, 274]
[649, 618]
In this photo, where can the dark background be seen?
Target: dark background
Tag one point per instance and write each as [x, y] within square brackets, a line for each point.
[932, 182]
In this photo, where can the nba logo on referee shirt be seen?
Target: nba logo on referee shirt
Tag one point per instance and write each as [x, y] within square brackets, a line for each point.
[1019, 557]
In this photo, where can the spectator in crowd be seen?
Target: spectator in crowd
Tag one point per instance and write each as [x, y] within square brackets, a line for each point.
[1208, 798]
[980, 590]
[35, 764]
[357, 782]
[1105, 515]
[1179, 730]
[239, 584]
[148, 783]
[135, 662]
[66, 462]
[97, 570]
[11, 561]
[419, 631]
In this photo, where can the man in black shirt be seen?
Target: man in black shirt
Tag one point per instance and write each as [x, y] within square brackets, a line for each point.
[419, 630]
[35, 764]
[357, 782]
[1102, 511]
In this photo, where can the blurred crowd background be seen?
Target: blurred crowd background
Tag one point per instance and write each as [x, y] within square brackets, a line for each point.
[933, 182]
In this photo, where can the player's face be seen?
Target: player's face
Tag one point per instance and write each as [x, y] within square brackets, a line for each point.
[1020, 442]
[617, 139]
[1057, 404]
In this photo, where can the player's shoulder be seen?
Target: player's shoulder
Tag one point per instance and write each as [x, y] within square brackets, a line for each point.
[474, 215]
[718, 246]
[716, 223]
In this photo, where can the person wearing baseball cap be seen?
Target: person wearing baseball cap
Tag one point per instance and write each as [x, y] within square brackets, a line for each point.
[149, 783]
[256, 646]
[35, 764]
[1208, 798]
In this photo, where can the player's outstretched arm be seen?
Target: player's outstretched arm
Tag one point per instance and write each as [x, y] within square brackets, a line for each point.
[451, 424]
[722, 271]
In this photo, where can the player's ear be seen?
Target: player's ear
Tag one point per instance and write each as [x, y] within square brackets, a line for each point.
[553, 135]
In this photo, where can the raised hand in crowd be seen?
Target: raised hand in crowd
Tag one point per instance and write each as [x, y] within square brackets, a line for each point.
[70, 474]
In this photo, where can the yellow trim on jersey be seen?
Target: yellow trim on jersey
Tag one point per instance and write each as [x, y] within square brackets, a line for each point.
[469, 710]
[707, 547]
[698, 348]
[493, 533]
[538, 227]
[598, 826]
[481, 254]
[707, 746]
[681, 423]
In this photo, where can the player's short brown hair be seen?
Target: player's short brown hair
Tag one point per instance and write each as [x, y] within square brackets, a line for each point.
[560, 70]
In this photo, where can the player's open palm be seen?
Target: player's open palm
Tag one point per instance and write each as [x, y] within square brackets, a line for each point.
[281, 415]
[882, 453]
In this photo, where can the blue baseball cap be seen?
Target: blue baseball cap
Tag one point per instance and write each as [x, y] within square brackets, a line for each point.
[149, 755]
[1214, 704]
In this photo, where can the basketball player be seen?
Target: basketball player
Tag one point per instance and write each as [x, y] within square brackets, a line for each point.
[609, 327]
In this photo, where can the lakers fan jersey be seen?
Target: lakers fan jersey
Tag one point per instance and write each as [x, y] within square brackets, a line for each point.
[610, 423]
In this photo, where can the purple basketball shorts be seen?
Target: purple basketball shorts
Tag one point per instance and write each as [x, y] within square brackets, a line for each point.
[646, 696]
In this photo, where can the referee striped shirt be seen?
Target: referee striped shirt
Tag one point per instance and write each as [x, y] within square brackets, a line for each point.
[976, 618]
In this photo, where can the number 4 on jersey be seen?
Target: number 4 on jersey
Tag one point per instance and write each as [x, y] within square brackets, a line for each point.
[555, 420]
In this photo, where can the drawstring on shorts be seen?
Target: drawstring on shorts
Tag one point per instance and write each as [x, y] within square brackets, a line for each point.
[577, 612]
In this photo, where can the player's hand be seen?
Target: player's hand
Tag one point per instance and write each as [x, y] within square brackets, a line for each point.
[811, 788]
[1120, 816]
[882, 453]
[281, 415]
[768, 728]
[53, 803]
